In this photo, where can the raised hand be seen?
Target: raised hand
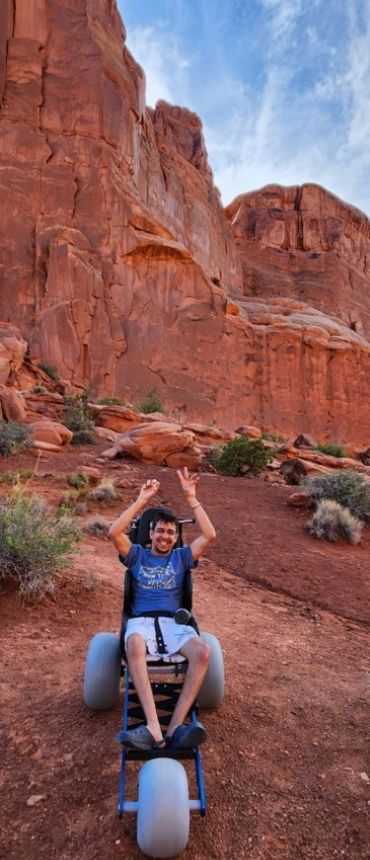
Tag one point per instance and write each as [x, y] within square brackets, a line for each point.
[148, 490]
[188, 483]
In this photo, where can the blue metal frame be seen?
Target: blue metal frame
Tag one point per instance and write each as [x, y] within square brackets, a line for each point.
[132, 714]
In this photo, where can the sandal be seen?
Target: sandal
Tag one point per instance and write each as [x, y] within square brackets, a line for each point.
[139, 738]
[187, 736]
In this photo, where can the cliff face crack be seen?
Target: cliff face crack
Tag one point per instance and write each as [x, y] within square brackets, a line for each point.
[297, 206]
[75, 195]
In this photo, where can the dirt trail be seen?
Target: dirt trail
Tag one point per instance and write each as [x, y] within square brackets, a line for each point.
[287, 761]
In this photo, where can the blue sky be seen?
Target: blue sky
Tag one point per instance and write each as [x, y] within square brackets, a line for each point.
[282, 86]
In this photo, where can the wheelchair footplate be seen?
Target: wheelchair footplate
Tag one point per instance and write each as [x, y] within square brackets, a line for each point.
[163, 804]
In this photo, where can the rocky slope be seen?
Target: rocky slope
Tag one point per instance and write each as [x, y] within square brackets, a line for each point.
[120, 266]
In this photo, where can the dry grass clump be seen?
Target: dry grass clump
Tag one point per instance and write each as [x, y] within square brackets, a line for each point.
[331, 520]
[97, 526]
[105, 491]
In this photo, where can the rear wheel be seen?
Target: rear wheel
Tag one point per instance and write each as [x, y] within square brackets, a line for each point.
[163, 818]
[102, 672]
[212, 690]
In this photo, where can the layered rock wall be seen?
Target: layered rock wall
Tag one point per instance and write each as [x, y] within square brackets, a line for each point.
[303, 242]
[120, 266]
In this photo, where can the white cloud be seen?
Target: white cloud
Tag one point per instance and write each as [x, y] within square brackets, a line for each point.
[306, 118]
[166, 68]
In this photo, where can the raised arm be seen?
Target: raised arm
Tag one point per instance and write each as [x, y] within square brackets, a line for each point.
[208, 533]
[117, 530]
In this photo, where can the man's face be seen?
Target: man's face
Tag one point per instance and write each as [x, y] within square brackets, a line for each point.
[163, 537]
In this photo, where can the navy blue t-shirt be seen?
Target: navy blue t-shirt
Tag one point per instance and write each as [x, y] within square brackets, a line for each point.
[157, 580]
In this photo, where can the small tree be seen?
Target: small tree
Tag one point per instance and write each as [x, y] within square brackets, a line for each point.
[77, 417]
[239, 453]
[34, 544]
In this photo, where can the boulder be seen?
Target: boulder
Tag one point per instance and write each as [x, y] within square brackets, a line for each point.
[302, 499]
[293, 471]
[192, 457]
[12, 351]
[304, 440]
[248, 430]
[116, 418]
[51, 431]
[152, 443]
[13, 405]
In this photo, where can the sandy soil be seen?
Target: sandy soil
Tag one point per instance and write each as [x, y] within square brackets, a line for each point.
[287, 760]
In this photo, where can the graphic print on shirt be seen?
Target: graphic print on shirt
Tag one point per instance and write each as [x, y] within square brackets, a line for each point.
[161, 576]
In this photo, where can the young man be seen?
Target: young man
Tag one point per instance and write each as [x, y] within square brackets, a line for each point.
[158, 575]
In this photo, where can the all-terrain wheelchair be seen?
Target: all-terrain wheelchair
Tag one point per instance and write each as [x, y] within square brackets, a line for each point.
[163, 805]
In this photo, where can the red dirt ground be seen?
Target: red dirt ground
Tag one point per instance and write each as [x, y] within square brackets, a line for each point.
[287, 760]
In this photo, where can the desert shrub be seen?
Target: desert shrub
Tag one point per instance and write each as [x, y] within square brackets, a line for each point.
[78, 480]
[333, 449]
[332, 519]
[38, 389]
[80, 509]
[69, 500]
[77, 417]
[105, 491]
[14, 476]
[35, 545]
[13, 437]
[97, 526]
[151, 403]
[275, 437]
[239, 453]
[50, 370]
[344, 486]
[110, 401]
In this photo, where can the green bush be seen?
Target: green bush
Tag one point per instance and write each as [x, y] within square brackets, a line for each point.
[333, 449]
[13, 437]
[34, 545]
[344, 486]
[77, 417]
[38, 389]
[110, 401]
[50, 370]
[151, 403]
[240, 452]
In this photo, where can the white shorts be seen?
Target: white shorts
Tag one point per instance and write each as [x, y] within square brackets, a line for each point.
[174, 635]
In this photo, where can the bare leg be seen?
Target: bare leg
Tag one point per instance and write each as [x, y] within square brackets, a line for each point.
[197, 653]
[136, 659]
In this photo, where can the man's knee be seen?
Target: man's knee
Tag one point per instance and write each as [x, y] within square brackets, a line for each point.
[201, 652]
[135, 646]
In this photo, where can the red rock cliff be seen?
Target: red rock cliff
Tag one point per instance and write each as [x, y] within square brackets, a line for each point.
[118, 262]
[305, 243]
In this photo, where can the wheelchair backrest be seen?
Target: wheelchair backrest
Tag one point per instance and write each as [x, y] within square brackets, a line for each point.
[139, 533]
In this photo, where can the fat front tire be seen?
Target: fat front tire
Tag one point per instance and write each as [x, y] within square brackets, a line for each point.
[212, 690]
[102, 672]
[163, 818]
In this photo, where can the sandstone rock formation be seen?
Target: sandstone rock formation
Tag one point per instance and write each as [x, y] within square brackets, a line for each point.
[304, 243]
[121, 268]
[158, 443]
